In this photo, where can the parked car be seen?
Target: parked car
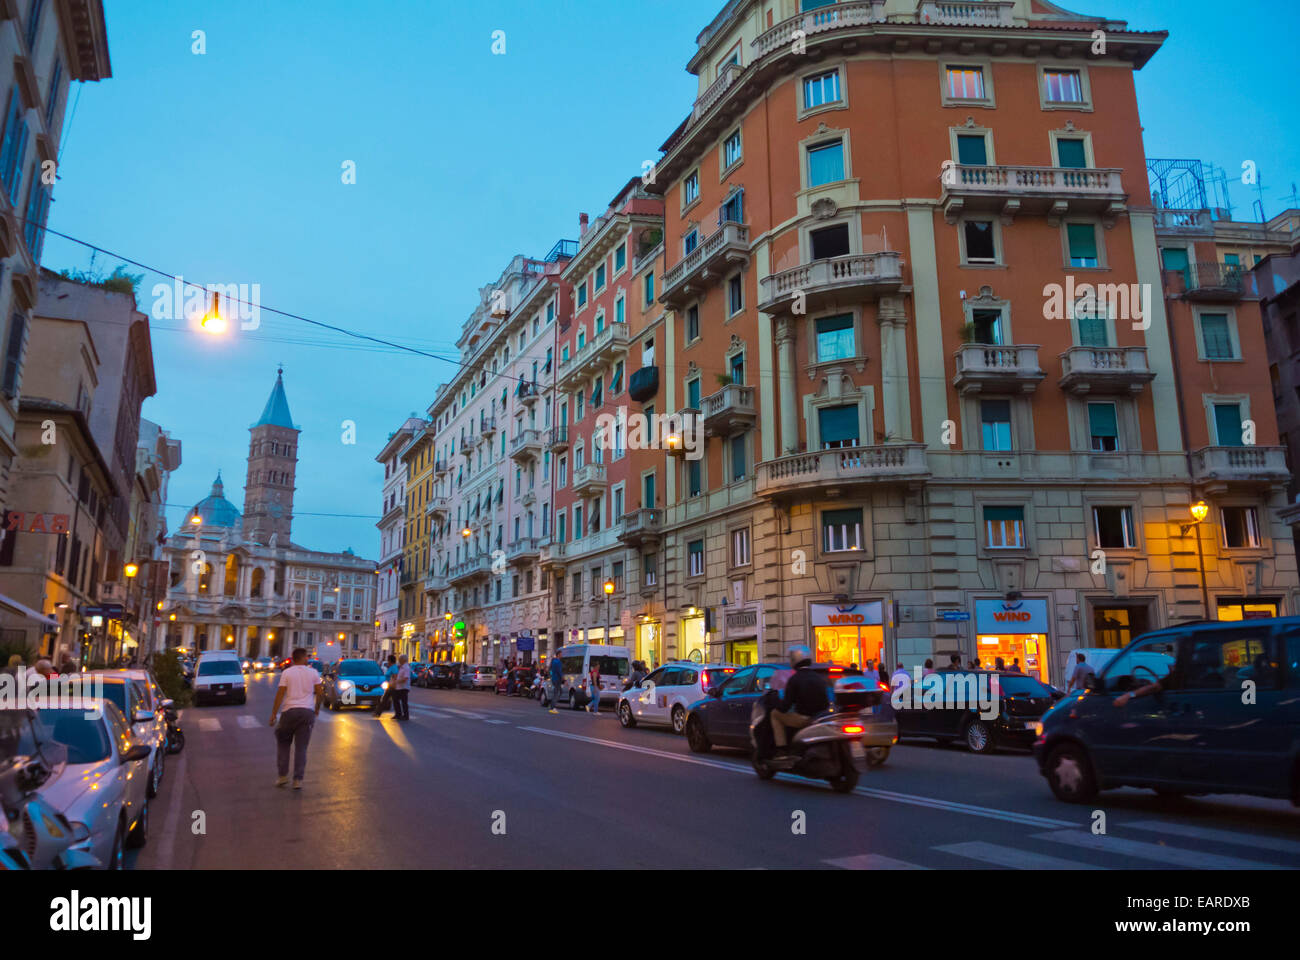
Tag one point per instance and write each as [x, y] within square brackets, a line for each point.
[417, 670]
[219, 678]
[957, 714]
[614, 663]
[665, 695]
[722, 718]
[353, 683]
[443, 675]
[1193, 730]
[478, 677]
[101, 773]
[139, 700]
[523, 679]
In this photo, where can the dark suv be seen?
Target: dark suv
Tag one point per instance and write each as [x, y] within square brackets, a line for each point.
[948, 709]
[1193, 709]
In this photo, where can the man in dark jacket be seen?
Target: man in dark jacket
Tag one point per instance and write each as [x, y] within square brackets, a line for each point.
[805, 697]
[557, 678]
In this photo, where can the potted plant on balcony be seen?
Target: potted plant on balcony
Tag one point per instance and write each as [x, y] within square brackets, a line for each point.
[967, 332]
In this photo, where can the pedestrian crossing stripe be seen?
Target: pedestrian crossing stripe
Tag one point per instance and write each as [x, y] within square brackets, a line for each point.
[1012, 857]
[245, 720]
[209, 723]
[1158, 852]
[873, 861]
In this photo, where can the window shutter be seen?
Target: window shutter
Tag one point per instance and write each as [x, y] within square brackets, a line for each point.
[1083, 240]
[838, 424]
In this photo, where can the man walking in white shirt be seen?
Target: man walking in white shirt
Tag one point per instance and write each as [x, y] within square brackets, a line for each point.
[300, 695]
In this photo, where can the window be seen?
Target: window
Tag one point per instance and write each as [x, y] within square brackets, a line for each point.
[649, 288]
[694, 473]
[841, 530]
[965, 83]
[1070, 153]
[821, 89]
[690, 242]
[1175, 260]
[735, 295]
[648, 565]
[731, 151]
[835, 338]
[620, 257]
[972, 150]
[1082, 240]
[733, 211]
[1240, 527]
[838, 426]
[13, 355]
[825, 163]
[1004, 527]
[1103, 427]
[988, 326]
[692, 323]
[995, 423]
[1216, 337]
[34, 9]
[980, 247]
[38, 208]
[1113, 527]
[738, 457]
[648, 490]
[691, 189]
[737, 365]
[693, 393]
[1093, 330]
[740, 547]
[582, 294]
[695, 558]
[1062, 86]
[600, 278]
[14, 145]
[829, 242]
[52, 95]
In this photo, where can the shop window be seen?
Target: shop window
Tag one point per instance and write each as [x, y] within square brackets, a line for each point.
[1113, 527]
[841, 530]
[1240, 527]
[1004, 527]
[1239, 609]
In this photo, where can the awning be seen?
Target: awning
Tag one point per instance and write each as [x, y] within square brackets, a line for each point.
[13, 606]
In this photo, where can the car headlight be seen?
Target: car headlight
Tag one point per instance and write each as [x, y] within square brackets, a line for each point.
[384, 685]
[345, 684]
[1037, 727]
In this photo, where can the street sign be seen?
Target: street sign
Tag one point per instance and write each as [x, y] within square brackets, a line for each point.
[525, 643]
[957, 615]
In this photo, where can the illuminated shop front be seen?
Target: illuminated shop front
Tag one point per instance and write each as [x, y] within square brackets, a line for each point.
[649, 643]
[1015, 631]
[692, 641]
[1247, 608]
[853, 633]
[740, 637]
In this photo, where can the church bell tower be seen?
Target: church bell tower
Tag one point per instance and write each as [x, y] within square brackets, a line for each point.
[272, 469]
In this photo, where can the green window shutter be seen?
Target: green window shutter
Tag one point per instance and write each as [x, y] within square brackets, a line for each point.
[1101, 420]
[841, 518]
[972, 150]
[1004, 514]
[1083, 240]
[1215, 336]
[838, 424]
[1070, 153]
[1093, 332]
[1227, 424]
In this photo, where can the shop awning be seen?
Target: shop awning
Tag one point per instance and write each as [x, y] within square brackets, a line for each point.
[13, 606]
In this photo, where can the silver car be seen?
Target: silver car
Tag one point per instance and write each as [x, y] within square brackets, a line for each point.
[100, 776]
[139, 699]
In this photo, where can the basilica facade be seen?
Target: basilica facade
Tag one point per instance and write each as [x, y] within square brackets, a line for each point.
[238, 582]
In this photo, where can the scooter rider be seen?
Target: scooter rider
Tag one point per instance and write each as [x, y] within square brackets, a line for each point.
[804, 698]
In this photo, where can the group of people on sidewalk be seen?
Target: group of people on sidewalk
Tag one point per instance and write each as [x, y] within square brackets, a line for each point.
[398, 692]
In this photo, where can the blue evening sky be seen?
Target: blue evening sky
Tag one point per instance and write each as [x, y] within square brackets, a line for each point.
[226, 168]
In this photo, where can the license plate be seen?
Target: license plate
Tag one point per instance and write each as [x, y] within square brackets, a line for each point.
[857, 749]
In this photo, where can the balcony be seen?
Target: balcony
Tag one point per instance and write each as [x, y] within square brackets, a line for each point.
[604, 346]
[558, 439]
[1217, 469]
[435, 582]
[706, 264]
[551, 556]
[440, 467]
[1185, 222]
[1050, 191]
[528, 392]
[1217, 282]
[964, 13]
[478, 568]
[996, 368]
[782, 36]
[1105, 370]
[831, 472]
[589, 480]
[640, 527]
[833, 281]
[467, 446]
[438, 507]
[526, 445]
[524, 551]
[529, 497]
[487, 426]
[643, 384]
[729, 410]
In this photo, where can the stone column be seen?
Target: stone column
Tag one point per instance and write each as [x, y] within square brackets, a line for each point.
[896, 401]
[789, 402]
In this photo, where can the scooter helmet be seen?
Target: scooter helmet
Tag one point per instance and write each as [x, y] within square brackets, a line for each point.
[798, 654]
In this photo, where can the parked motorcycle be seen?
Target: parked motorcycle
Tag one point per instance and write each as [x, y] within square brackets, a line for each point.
[34, 835]
[175, 735]
[837, 746]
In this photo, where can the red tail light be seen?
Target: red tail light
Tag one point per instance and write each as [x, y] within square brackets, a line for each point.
[704, 680]
[883, 686]
[854, 728]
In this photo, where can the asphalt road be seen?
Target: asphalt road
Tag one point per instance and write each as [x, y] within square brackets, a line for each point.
[475, 780]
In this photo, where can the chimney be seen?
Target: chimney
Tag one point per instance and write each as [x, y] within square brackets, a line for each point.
[582, 225]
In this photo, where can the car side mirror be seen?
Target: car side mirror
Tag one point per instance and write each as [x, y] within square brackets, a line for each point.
[139, 752]
[142, 716]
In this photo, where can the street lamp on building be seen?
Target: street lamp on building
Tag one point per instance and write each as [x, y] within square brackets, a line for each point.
[1199, 511]
[131, 569]
[609, 592]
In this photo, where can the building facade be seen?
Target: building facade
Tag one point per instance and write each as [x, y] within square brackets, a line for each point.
[392, 537]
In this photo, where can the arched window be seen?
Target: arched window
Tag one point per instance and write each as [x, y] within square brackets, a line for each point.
[232, 575]
[255, 590]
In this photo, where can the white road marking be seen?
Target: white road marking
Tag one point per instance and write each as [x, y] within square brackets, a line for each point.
[1012, 857]
[873, 861]
[490, 720]
[248, 721]
[211, 724]
[1216, 836]
[465, 713]
[933, 803]
[1187, 859]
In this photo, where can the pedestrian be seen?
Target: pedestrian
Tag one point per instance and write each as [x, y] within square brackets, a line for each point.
[390, 676]
[853, 666]
[1081, 675]
[299, 693]
[929, 668]
[999, 664]
[900, 678]
[1015, 666]
[66, 665]
[954, 661]
[401, 687]
[593, 687]
[557, 680]
[45, 668]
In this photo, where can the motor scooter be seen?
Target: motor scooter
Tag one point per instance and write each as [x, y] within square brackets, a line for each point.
[836, 746]
[33, 834]
[175, 735]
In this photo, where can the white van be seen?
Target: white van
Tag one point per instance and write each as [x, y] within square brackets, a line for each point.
[1095, 657]
[219, 678]
[615, 664]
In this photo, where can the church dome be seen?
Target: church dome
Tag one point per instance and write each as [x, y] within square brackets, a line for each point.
[214, 509]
